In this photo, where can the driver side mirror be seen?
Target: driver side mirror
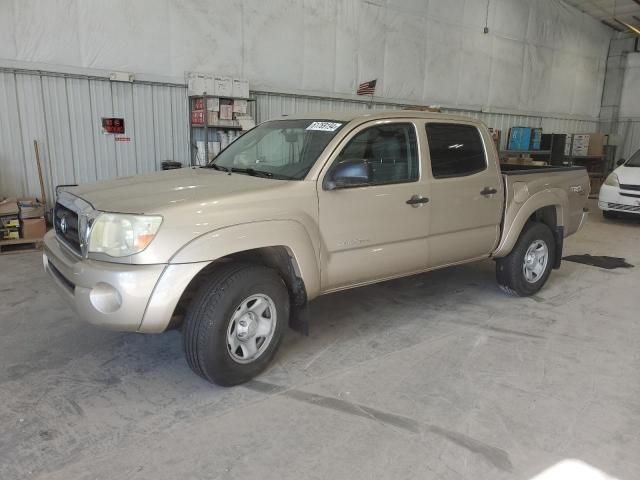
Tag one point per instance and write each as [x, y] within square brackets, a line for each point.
[620, 162]
[349, 173]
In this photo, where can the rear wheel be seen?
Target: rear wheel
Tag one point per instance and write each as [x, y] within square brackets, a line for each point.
[526, 269]
[235, 323]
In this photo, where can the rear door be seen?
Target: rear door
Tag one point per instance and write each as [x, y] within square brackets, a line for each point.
[467, 193]
[369, 232]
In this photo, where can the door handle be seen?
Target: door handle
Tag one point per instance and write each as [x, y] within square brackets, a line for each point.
[417, 200]
[488, 191]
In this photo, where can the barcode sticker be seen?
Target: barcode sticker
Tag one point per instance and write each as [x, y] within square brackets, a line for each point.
[324, 126]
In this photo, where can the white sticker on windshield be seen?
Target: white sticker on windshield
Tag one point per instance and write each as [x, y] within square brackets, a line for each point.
[324, 126]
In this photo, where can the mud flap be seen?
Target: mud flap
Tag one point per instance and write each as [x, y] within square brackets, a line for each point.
[559, 237]
[299, 313]
[299, 319]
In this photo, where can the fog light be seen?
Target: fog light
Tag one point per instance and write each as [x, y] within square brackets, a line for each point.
[105, 298]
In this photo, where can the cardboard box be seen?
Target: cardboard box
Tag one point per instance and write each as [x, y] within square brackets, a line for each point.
[212, 118]
[10, 221]
[597, 141]
[10, 234]
[223, 86]
[199, 83]
[30, 208]
[34, 228]
[197, 117]
[226, 110]
[9, 206]
[198, 103]
[213, 104]
[240, 106]
[240, 88]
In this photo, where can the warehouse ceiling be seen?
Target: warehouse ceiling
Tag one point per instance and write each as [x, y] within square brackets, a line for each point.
[613, 13]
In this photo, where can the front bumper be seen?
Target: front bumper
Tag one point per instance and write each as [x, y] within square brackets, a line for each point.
[613, 199]
[110, 295]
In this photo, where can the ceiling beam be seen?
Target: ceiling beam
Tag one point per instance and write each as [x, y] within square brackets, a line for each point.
[613, 26]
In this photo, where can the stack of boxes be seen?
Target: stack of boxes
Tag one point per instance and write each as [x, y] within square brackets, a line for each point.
[9, 220]
[22, 218]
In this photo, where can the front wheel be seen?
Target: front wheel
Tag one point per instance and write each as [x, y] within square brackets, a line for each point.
[608, 214]
[235, 323]
[526, 269]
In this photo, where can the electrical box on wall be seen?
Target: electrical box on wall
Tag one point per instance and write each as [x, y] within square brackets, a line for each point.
[121, 77]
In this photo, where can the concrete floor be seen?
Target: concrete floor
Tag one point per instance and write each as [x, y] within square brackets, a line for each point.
[434, 376]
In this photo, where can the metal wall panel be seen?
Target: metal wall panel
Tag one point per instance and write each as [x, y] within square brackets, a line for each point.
[12, 180]
[180, 123]
[272, 105]
[629, 133]
[63, 113]
[58, 139]
[145, 137]
[162, 119]
[82, 128]
[31, 116]
[122, 100]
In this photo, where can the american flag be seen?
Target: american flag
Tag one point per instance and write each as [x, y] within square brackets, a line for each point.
[367, 88]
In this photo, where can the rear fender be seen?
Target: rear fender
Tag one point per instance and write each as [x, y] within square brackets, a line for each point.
[517, 215]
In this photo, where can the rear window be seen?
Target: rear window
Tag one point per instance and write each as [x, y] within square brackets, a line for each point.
[455, 150]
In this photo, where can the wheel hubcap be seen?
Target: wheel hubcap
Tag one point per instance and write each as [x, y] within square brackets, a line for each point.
[251, 328]
[535, 261]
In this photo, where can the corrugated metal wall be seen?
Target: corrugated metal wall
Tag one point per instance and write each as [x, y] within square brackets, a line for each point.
[273, 105]
[629, 133]
[63, 113]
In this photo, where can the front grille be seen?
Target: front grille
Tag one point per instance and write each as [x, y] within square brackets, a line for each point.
[633, 195]
[626, 186]
[626, 208]
[67, 228]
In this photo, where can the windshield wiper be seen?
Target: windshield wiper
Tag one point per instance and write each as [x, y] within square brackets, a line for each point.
[218, 167]
[254, 173]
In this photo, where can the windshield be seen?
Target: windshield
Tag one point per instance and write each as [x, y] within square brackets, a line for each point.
[634, 161]
[281, 149]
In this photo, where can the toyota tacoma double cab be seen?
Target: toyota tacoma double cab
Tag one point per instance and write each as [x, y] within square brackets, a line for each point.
[233, 251]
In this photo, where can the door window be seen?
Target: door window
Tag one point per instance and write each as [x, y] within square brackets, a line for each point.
[391, 150]
[456, 150]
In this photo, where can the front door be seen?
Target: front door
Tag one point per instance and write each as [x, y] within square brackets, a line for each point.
[467, 194]
[369, 231]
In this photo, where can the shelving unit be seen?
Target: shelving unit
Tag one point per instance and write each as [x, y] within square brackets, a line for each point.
[200, 131]
[596, 165]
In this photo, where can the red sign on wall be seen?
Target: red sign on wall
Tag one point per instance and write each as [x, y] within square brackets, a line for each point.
[112, 125]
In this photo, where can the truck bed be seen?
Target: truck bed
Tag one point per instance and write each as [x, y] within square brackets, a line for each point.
[510, 169]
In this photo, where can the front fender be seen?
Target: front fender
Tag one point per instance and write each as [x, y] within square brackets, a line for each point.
[517, 216]
[247, 236]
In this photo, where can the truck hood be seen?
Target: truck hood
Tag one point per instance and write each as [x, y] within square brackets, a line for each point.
[156, 192]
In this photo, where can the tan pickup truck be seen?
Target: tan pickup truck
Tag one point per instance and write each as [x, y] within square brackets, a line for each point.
[296, 208]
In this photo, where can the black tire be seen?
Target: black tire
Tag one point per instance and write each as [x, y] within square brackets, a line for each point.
[609, 214]
[211, 311]
[509, 270]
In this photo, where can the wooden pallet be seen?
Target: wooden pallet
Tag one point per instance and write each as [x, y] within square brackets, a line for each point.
[20, 245]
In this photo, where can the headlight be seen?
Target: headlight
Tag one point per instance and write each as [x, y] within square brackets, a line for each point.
[120, 235]
[612, 180]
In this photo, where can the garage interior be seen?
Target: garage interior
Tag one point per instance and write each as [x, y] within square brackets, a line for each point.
[436, 375]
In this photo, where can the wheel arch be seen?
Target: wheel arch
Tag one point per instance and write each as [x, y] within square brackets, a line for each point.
[548, 207]
[284, 246]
